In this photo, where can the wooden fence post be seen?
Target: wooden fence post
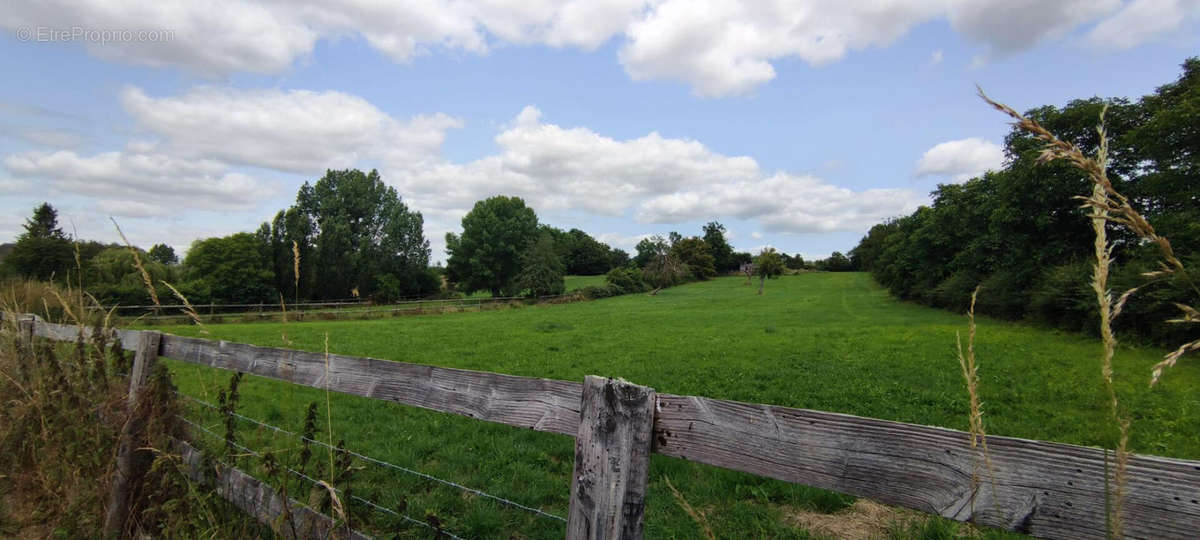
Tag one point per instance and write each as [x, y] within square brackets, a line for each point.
[118, 500]
[612, 460]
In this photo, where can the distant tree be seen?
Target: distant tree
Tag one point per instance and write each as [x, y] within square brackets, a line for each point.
[496, 232]
[647, 250]
[588, 257]
[541, 270]
[793, 262]
[664, 268]
[722, 253]
[768, 264]
[351, 231]
[837, 262]
[44, 223]
[232, 268]
[618, 258]
[693, 253]
[43, 251]
[163, 253]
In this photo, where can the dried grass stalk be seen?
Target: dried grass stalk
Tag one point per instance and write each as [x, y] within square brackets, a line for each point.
[137, 262]
[696, 515]
[970, 373]
[1109, 205]
[187, 307]
[1106, 205]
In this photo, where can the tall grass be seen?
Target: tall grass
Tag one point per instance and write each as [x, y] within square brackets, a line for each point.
[1108, 206]
[63, 409]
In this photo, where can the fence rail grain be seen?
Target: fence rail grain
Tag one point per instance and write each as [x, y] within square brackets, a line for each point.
[1042, 488]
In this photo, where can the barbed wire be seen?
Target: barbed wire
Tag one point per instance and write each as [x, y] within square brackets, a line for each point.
[380, 462]
[314, 481]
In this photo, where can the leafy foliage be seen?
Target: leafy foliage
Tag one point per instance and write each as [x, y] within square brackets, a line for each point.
[487, 256]
[233, 268]
[43, 251]
[163, 254]
[541, 271]
[1019, 232]
[350, 230]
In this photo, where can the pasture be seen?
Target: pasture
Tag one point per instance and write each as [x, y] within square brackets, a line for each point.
[828, 341]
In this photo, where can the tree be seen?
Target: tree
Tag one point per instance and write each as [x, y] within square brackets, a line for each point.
[44, 223]
[722, 253]
[541, 270]
[768, 264]
[487, 256]
[163, 253]
[351, 231]
[233, 268]
[647, 250]
[664, 269]
[693, 254]
[43, 251]
[588, 257]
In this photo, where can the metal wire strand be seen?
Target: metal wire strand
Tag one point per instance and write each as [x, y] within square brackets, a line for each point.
[372, 504]
[384, 463]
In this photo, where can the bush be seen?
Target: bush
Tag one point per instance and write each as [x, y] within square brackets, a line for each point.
[628, 280]
[1063, 298]
[595, 292]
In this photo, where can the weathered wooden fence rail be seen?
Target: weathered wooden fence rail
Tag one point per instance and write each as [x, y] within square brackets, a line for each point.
[1041, 488]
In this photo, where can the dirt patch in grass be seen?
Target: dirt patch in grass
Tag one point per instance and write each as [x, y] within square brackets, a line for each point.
[861, 521]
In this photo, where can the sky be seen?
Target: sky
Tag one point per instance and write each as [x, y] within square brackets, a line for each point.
[796, 124]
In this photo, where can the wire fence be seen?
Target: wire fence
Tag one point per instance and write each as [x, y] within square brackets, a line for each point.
[368, 459]
[361, 309]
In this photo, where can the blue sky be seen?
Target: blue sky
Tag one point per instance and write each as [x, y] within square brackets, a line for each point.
[796, 124]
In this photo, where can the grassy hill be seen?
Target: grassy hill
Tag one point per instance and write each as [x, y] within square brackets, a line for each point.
[829, 341]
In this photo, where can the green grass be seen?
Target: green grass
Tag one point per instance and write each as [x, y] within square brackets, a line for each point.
[835, 342]
[579, 282]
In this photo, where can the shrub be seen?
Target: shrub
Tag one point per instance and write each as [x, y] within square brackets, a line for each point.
[628, 280]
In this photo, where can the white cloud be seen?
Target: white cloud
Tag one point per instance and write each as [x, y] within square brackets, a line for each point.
[718, 47]
[197, 142]
[297, 131]
[782, 203]
[936, 58]
[130, 181]
[723, 48]
[625, 242]
[1005, 26]
[756, 235]
[11, 186]
[961, 159]
[1142, 20]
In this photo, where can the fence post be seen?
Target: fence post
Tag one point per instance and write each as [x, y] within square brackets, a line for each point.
[118, 500]
[612, 460]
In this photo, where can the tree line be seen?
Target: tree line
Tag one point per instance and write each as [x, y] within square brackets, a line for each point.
[350, 235]
[1020, 235]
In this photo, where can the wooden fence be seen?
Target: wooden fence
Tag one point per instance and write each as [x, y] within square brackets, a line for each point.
[1040, 488]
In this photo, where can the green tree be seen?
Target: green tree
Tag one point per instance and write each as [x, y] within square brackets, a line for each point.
[541, 270]
[232, 268]
[487, 256]
[351, 230]
[163, 253]
[43, 251]
[663, 269]
[693, 254]
[722, 253]
[768, 264]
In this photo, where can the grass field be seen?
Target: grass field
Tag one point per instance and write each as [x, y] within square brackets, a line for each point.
[834, 342]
